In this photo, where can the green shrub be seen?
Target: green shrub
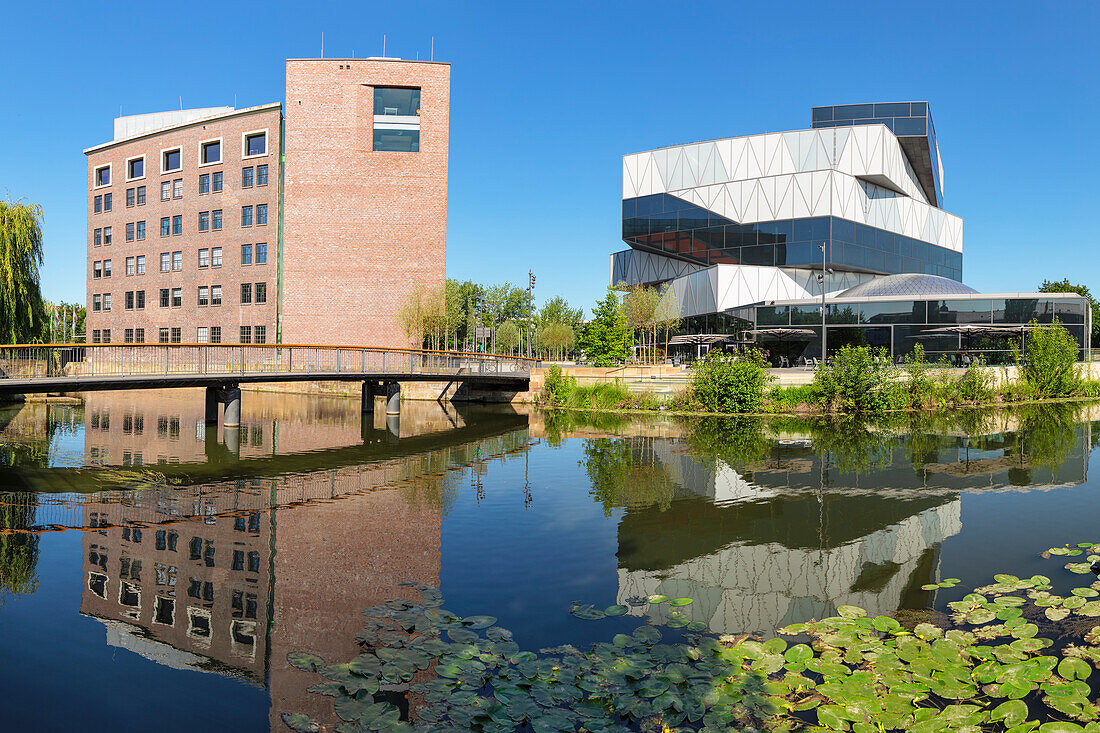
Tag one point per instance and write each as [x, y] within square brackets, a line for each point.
[723, 383]
[1049, 365]
[975, 385]
[920, 387]
[790, 398]
[557, 386]
[859, 380]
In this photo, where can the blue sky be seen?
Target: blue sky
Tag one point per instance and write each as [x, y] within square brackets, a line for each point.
[545, 99]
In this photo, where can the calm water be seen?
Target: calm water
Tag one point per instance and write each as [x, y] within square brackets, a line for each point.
[154, 573]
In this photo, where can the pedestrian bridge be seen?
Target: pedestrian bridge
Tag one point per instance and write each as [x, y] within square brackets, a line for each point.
[222, 368]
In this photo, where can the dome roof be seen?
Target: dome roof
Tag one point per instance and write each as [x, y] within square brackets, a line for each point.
[914, 285]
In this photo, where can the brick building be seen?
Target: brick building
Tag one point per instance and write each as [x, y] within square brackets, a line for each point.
[223, 225]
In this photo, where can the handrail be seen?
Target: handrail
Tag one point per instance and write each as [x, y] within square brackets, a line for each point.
[374, 349]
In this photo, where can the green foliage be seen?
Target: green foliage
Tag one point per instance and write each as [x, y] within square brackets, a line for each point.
[624, 473]
[18, 545]
[557, 385]
[1065, 286]
[22, 311]
[1049, 366]
[859, 380]
[736, 441]
[791, 398]
[723, 383]
[989, 665]
[604, 338]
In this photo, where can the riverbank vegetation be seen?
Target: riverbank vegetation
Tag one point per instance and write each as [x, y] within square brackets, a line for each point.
[22, 311]
[858, 380]
[1016, 654]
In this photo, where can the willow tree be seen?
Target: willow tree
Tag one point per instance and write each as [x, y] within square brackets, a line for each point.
[22, 313]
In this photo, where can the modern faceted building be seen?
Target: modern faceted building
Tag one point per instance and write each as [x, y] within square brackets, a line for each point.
[771, 220]
[304, 223]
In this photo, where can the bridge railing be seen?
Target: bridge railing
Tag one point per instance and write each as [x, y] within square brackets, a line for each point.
[58, 361]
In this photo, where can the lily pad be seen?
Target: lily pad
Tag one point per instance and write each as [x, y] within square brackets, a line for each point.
[301, 723]
[305, 661]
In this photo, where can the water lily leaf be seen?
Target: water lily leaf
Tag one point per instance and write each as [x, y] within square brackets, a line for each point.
[657, 598]
[588, 613]
[478, 622]
[305, 661]
[301, 723]
[851, 611]
[552, 722]
[462, 636]
[380, 716]
[889, 625]
[1073, 668]
[828, 717]
[930, 586]
[496, 633]
[679, 601]
[615, 610]
[697, 626]
[351, 708]
[1060, 727]
[677, 620]
[647, 634]
[1056, 614]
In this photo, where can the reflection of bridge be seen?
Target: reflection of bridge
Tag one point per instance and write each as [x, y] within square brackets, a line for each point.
[222, 368]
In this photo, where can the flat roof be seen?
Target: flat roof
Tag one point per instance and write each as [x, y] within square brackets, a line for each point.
[911, 298]
[182, 125]
[374, 58]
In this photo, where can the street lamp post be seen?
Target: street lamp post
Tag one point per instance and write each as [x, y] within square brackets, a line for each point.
[530, 292]
[824, 353]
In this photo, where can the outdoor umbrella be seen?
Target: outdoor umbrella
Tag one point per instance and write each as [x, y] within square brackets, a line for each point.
[784, 335]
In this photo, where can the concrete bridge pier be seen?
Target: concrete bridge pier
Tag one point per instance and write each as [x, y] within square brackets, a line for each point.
[393, 398]
[370, 391]
[228, 395]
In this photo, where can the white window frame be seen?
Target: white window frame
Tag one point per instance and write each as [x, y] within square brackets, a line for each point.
[95, 176]
[164, 170]
[244, 141]
[221, 153]
[136, 178]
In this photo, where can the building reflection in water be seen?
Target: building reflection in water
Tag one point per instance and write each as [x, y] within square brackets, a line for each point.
[791, 535]
[184, 573]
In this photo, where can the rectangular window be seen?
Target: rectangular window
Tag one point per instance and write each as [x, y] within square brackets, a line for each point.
[204, 183]
[139, 335]
[106, 235]
[247, 177]
[107, 201]
[216, 257]
[246, 293]
[106, 268]
[140, 298]
[106, 301]
[261, 175]
[141, 197]
[130, 198]
[162, 335]
[259, 335]
[246, 216]
[177, 188]
[128, 336]
[210, 152]
[129, 265]
[97, 237]
[246, 335]
[165, 261]
[261, 253]
[261, 292]
[165, 226]
[95, 336]
[135, 168]
[129, 300]
[97, 302]
[106, 335]
[177, 297]
[129, 231]
[171, 160]
[204, 295]
[141, 264]
[177, 334]
[177, 261]
[166, 191]
[164, 301]
[97, 204]
[141, 231]
[390, 140]
[215, 334]
[103, 176]
[216, 295]
[216, 182]
[204, 258]
[246, 254]
[255, 144]
[204, 221]
[261, 213]
[202, 335]
[97, 270]
[216, 219]
[177, 224]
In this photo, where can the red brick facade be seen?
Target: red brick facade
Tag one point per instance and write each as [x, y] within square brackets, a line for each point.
[361, 227]
[189, 316]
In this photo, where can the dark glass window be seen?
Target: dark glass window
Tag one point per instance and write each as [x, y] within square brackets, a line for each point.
[959, 311]
[776, 315]
[135, 168]
[256, 143]
[204, 183]
[261, 175]
[892, 109]
[247, 177]
[212, 152]
[403, 101]
[805, 315]
[893, 312]
[396, 141]
[216, 182]
[172, 160]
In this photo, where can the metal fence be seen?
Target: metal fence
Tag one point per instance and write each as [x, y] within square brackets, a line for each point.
[53, 361]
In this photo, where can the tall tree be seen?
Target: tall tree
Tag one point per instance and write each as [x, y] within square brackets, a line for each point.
[1065, 286]
[556, 325]
[22, 312]
[605, 335]
[667, 313]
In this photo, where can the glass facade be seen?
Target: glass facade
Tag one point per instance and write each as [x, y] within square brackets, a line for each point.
[666, 224]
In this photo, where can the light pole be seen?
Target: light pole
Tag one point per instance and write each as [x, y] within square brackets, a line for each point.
[822, 281]
[530, 291]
